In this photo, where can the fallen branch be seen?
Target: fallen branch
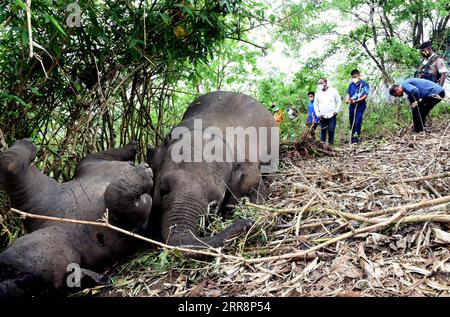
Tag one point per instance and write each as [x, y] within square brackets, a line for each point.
[414, 206]
[299, 217]
[276, 212]
[426, 178]
[346, 235]
[25, 215]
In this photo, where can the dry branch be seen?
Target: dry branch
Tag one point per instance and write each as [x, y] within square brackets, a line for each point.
[427, 178]
[30, 34]
[25, 215]
[341, 237]
[414, 206]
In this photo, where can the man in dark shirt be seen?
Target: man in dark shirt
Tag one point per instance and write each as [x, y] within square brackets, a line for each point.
[357, 91]
[432, 67]
[422, 94]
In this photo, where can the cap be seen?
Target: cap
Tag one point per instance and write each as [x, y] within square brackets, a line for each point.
[425, 45]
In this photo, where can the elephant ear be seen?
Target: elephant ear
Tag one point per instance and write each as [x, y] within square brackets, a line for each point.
[245, 179]
[151, 153]
[155, 156]
[168, 139]
[237, 176]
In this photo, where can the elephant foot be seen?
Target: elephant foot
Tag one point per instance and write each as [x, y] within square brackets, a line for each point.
[239, 227]
[188, 240]
[128, 199]
[17, 158]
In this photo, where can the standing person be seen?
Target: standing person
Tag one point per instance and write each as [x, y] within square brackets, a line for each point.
[312, 121]
[357, 91]
[278, 113]
[327, 104]
[432, 67]
[292, 113]
[422, 94]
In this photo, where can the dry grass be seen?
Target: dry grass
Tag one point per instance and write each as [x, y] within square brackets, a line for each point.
[314, 200]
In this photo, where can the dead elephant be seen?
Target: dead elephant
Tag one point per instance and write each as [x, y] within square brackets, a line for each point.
[185, 190]
[36, 263]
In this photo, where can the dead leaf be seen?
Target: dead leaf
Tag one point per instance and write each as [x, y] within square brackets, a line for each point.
[397, 270]
[372, 272]
[437, 285]
[310, 267]
[197, 290]
[441, 236]
[342, 265]
[415, 269]
[376, 240]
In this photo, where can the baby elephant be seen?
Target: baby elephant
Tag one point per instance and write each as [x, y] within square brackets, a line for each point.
[36, 263]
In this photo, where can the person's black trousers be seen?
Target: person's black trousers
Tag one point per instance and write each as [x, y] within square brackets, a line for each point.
[327, 126]
[420, 112]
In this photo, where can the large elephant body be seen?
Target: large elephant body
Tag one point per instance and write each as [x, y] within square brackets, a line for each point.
[36, 263]
[185, 190]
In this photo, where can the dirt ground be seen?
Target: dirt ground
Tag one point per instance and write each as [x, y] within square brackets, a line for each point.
[375, 227]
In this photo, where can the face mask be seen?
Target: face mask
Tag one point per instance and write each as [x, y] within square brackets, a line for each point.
[311, 98]
[320, 87]
[425, 54]
[355, 80]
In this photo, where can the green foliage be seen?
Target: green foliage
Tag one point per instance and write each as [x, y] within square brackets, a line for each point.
[386, 32]
[116, 76]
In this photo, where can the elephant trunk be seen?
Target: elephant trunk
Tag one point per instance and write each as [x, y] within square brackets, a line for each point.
[181, 218]
[181, 222]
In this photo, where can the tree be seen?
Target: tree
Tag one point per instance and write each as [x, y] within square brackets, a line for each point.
[387, 32]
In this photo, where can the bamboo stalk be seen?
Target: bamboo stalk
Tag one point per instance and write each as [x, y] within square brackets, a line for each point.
[299, 216]
[363, 217]
[414, 206]
[30, 34]
[426, 178]
[408, 219]
[346, 235]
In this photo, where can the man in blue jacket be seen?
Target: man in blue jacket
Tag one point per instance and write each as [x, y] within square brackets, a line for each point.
[422, 94]
[357, 91]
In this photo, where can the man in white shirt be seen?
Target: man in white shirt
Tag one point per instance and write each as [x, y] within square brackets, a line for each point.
[327, 104]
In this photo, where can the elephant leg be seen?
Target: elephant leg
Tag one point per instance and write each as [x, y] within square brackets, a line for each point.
[26, 186]
[128, 199]
[15, 162]
[124, 154]
[36, 264]
[191, 240]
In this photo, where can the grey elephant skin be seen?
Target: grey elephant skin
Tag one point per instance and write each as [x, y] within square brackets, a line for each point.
[36, 263]
[184, 191]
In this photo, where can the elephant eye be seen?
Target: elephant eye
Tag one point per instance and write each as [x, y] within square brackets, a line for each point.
[164, 188]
